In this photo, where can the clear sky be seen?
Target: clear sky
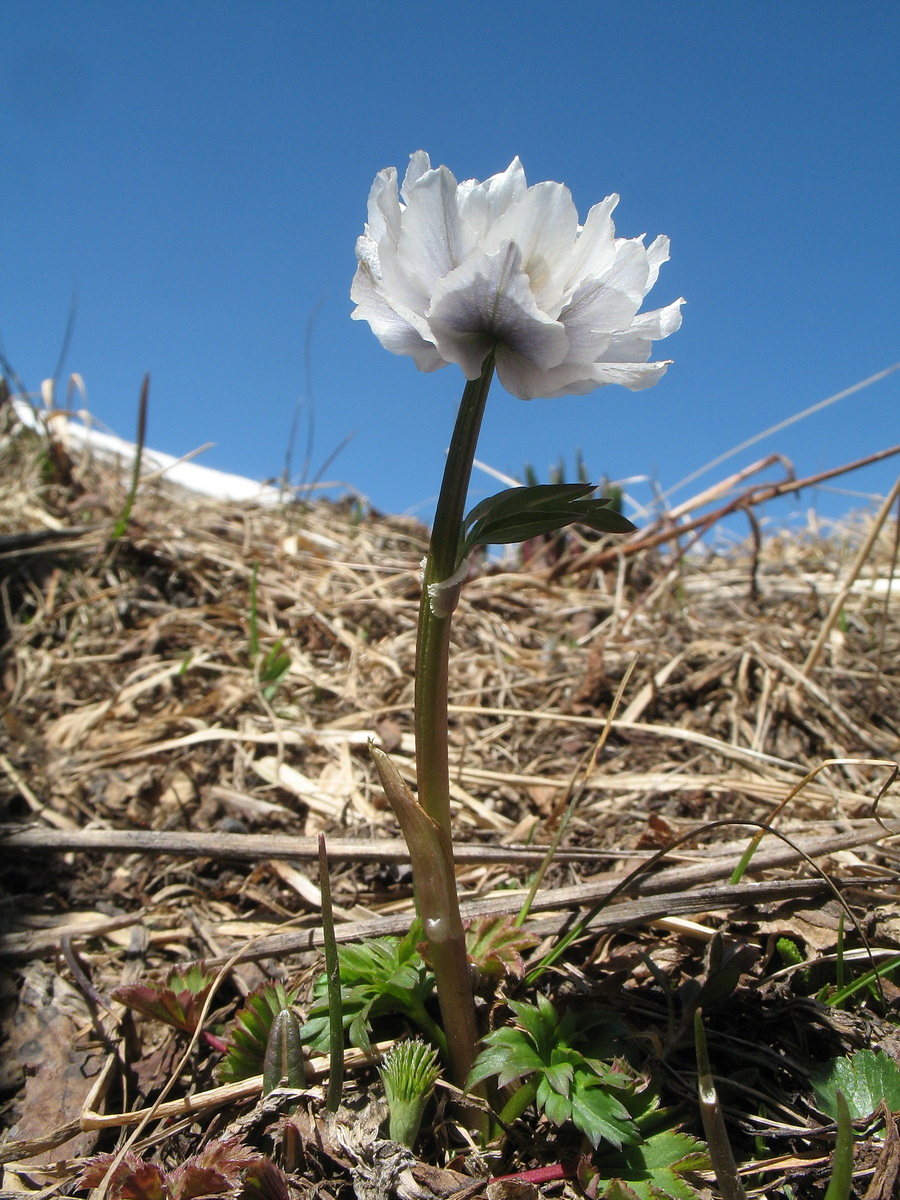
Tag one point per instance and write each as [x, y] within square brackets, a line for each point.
[197, 174]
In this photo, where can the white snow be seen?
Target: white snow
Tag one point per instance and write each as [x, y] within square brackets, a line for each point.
[79, 430]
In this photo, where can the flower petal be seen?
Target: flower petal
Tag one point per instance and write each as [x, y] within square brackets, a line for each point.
[481, 204]
[522, 379]
[544, 225]
[595, 249]
[594, 313]
[396, 332]
[488, 301]
[657, 254]
[419, 164]
[433, 240]
[384, 207]
[635, 343]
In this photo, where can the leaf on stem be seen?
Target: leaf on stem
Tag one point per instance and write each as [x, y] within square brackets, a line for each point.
[517, 514]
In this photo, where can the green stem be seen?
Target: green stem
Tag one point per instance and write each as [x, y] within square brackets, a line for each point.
[335, 999]
[519, 1101]
[448, 947]
[433, 644]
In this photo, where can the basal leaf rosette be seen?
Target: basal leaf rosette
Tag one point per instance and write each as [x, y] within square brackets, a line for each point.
[448, 271]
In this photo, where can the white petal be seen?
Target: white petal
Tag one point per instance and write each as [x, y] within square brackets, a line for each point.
[569, 380]
[488, 300]
[630, 270]
[595, 249]
[596, 311]
[396, 331]
[634, 376]
[384, 207]
[433, 240]
[635, 344]
[657, 254]
[419, 164]
[482, 204]
[544, 225]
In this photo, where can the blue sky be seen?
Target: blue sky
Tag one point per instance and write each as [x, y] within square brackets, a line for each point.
[198, 172]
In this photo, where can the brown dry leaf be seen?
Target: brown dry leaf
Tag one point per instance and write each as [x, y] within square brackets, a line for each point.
[46, 1039]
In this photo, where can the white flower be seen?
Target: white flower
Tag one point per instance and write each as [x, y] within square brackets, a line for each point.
[457, 268]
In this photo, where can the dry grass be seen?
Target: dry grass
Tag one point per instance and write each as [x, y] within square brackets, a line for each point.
[142, 756]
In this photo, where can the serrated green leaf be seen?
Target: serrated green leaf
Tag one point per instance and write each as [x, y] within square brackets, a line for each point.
[618, 1190]
[560, 1076]
[865, 1078]
[542, 1053]
[378, 978]
[654, 1168]
[177, 1002]
[556, 1108]
[601, 1115]
[494, 944]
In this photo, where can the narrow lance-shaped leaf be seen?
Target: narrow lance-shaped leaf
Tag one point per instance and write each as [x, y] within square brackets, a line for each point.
[284, 1053]
[521, 499]
[430, 853]
[522, 513]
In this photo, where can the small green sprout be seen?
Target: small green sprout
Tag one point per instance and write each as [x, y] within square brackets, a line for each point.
[249, 1039]
[283, 1062]
[409, 1073]
[720, 1152]
[273, 666]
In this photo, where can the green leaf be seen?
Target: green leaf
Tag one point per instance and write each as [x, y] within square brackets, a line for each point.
[543, 1052]
[653, 1169]
[865, 1078]
[513, 501]
[378, 978]
[518, 514]
[601, 1116]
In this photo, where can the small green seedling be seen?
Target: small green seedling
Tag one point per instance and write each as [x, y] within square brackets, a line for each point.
[562, 1064]
[378, 978]
[717, 1139]
[409, 1073]
[125, 516]
[274, 665]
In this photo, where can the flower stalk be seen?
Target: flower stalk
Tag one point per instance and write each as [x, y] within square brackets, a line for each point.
[436, 607]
